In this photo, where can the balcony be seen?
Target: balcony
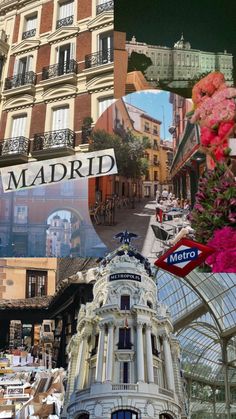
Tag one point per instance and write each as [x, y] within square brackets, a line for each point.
[105, 7]
[66, 21]
[57, 70]
[53, 144]
[156, 163]
[29, 34]
[58, 73]
[99, 58]
[124, 387]
[14, 150]
[23, 82]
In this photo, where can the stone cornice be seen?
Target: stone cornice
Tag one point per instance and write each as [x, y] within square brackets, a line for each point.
[103, 19]
[65, 32]
[25, 46]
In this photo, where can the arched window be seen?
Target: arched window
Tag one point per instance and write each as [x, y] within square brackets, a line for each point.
[124, 414]
[165, 416]
[83, 416]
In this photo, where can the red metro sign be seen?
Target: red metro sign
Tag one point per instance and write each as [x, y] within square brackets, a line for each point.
[184, 257]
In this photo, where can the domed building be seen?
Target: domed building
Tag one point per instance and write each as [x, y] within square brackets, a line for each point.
[124, 360]
[182, 44]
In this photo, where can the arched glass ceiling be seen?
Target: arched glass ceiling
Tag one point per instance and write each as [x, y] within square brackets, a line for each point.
[215, 293]
[203, 309]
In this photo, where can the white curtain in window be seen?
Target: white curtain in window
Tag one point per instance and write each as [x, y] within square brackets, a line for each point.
[104, 104]
[60, 118]
[31, 23]
[18, 126]
[66, 9]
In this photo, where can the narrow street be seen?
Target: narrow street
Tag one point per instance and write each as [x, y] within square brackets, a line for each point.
[137, 220]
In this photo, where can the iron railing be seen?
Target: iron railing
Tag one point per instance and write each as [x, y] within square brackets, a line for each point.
[20, 80]
[105, 7]
[15, 145]
[54, 139]
[66, 21]
[56, 70]
[99, 58]
[29, 34]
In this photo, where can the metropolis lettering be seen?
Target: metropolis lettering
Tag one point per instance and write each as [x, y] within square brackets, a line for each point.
[80, 166]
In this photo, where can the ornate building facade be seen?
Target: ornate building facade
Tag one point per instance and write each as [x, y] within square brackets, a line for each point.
[124, 360]
[57, 73]
[181, 63]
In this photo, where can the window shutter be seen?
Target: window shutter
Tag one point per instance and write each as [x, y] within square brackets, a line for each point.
[31, 23]
[60, 118]
[72, 51]
[18, 126]
[29, 63]
[66, 10]
[16, 67]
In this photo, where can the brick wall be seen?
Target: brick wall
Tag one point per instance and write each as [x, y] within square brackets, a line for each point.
[46, 17]
[82, 110]
[3, 124]
[83, 47]
[43, 59]
[84, 9]
[16, 29]
[38, 119]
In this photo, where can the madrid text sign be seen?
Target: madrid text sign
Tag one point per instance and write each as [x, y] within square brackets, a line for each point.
[184, 257]
[48, 172]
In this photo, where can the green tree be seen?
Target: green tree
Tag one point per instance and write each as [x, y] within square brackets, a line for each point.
[129, 152]
[138, 62]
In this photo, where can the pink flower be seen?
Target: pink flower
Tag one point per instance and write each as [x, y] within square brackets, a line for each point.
[207, 136]
[224, 243]
[225, 128]
[206, 87]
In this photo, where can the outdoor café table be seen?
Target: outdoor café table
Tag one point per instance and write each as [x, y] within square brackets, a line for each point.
[174, 214]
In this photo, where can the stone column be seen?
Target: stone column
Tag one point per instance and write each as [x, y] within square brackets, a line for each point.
[168, 363]
[72, 349]
[100, 354]
[110, 344]
[139, 351]
[81, 366]
[150, 375]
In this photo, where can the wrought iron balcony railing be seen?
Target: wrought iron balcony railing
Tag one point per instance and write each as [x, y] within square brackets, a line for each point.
[99, 58]
[20, 80]
[15, 145]
[54, 139]
[105, 7]
[66, 21]
[59, 69]
[29, 34]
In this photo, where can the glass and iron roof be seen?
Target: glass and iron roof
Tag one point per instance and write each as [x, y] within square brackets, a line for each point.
[203, 310]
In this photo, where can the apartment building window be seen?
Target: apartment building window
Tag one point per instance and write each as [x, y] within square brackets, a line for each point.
[60, 117]
[125, 302]
[36, 283]
[65, 55]
[30, 26]
[20, 214]
[154, 345]
[18, 126]
[124, 414]
[124, 372]
[155, 176]
[146, 127]
[106, 48]
[103, 104]
[65, 13]
[124, 338]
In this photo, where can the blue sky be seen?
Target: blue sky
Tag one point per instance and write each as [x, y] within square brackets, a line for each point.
[156, 104]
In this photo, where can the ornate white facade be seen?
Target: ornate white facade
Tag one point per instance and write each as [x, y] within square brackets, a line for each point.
[124, 360]
[181, 63]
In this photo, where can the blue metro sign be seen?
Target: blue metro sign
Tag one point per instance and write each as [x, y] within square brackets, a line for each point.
[184, 257]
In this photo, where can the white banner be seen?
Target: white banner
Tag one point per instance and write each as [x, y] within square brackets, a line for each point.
[48, 172]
